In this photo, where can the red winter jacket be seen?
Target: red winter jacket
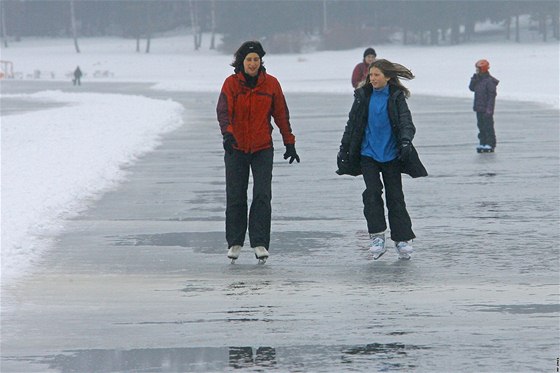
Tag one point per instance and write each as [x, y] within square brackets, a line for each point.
[245, 112]
[360, 73]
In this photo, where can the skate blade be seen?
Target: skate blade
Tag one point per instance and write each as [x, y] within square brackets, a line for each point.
[376, 256]
[404, 257]
[262, 260]
[232, 260]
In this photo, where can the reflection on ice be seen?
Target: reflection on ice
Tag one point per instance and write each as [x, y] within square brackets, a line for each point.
[376, 356]
[242, 357]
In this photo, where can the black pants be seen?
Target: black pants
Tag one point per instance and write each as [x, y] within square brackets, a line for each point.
[399, 220]
[486, 134]
[238, 165]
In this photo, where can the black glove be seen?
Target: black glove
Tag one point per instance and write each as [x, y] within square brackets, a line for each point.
[229, 142]
[342, 161]
[291, 153]
[343, 155]
[405, 148]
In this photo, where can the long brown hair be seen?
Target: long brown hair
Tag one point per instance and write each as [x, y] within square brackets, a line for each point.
[393, 71]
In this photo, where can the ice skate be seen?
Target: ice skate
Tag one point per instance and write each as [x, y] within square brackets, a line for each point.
[377, 248]
[484, 149]
[261, 253]
[404, 249]
[233, 253]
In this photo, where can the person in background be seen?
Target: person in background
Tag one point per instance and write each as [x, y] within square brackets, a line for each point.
[360, 72]
[248, 100]
[77, 76]
[377, 141]
[484, 87]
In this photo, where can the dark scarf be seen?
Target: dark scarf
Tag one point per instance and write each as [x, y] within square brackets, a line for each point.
[251, 81]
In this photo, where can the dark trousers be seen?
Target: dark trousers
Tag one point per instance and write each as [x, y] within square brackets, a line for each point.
[399, 220]
[238, 165]
[486, 134]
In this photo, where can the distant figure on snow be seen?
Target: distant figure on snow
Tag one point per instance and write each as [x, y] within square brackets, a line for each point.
[484, 87]
[248, 100]
[77, 76]
[361, 70]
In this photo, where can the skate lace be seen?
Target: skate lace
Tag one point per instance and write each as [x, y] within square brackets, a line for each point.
[377, 241]
[403, 246]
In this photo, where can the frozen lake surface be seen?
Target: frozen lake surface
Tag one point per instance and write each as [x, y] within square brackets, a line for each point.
[141, 282]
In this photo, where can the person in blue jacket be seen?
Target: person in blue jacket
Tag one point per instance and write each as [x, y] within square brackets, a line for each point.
[484, 87]
[377, 141]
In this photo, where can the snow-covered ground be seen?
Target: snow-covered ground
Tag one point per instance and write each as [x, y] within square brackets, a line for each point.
[54, 161]
[527, 72]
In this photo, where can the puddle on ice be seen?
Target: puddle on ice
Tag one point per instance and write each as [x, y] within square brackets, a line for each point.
[377, 356]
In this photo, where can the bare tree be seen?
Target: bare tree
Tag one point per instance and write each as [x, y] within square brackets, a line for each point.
[196, 29]
[542, 25]
[325, 27]
[213, 25]
[149, 11]
[74, 26]
[3, 20]
[517, 37]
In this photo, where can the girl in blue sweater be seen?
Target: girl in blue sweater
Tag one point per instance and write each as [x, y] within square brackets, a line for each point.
[377, 143]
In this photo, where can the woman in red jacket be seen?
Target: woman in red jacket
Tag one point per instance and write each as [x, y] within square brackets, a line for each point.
[248, 100]
[361, 71]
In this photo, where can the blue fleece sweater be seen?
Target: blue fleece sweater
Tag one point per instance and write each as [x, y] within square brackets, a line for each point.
[379, 142]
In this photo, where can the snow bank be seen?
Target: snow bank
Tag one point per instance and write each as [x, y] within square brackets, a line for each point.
[54, 162]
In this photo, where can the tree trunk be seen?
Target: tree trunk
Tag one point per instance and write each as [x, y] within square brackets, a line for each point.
[213, 26]
[325, 28]
[517, 38]
[3, 20]
[544, 29]
[555, 27]
[194, 24]
[74, 26]
[148, 11]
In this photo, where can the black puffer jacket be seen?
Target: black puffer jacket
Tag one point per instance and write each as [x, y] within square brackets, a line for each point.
[401, 123]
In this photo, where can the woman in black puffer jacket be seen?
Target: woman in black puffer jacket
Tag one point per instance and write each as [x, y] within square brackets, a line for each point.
[377, 141]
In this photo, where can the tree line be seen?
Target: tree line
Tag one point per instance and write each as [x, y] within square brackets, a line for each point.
[338, 24]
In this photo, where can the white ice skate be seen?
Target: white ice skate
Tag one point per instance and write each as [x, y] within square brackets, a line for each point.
[233, 253]
[404, 249]
[261, 253]
[485, 149]
[377, 248]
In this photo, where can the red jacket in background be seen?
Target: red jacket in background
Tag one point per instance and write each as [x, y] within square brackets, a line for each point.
[359, 74]
[245, 112]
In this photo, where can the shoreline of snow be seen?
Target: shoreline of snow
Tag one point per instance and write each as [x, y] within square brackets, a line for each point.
[56, 161]
[527, 71]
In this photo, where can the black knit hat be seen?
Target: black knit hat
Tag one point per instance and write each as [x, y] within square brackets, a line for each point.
[250, 47]
[369, 51]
